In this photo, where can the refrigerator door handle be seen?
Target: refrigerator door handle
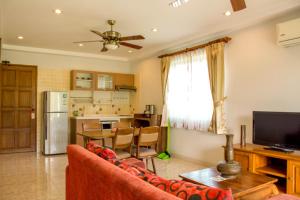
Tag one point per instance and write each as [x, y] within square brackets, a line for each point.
[45, 127]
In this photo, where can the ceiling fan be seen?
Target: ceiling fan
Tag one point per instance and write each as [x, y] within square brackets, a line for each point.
[238, 5]
[112, 39]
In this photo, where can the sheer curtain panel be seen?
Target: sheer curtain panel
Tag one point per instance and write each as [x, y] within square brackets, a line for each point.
[188, 96]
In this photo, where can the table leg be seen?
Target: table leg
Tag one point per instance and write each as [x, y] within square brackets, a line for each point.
[85, 141]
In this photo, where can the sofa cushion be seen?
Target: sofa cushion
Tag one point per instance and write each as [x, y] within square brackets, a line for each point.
[189, 191]
[284, 197]
[181, 189]
[103, 152]
[134, 161]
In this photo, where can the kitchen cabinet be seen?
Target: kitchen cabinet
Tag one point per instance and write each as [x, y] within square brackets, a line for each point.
[101, 81]
[82, 80]
[104, 81]
[124, 79]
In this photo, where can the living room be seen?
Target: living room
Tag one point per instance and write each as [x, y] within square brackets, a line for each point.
[260, 74]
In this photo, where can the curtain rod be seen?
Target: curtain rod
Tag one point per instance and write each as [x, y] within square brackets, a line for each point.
[224, 39]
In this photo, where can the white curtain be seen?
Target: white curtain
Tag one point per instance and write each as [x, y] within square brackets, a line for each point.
[188, 96]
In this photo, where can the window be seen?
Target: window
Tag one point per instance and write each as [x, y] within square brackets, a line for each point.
[188, 97]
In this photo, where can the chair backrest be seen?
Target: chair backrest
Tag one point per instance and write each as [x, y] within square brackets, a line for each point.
[148, 136]
[123, 138]
[91, 126]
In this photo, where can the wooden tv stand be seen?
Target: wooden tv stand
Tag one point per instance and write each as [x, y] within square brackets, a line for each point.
[284, 166]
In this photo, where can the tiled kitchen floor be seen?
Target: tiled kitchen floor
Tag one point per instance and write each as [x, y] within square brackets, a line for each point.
[31, 176]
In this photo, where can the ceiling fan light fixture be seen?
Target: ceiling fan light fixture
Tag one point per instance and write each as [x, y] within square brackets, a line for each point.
[112, 45]
[178, 3]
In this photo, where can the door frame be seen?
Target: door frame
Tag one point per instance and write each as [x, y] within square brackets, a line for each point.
[34, 127]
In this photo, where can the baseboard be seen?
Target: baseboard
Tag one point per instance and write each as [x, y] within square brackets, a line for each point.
[193, 160]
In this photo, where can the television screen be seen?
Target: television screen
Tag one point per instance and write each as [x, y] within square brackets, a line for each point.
[276, 129]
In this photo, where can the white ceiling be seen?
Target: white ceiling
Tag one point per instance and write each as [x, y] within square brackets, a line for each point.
[41, 28]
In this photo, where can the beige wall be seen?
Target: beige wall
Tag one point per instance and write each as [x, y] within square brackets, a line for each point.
[54, 73]
[259, 76]
[148, 83]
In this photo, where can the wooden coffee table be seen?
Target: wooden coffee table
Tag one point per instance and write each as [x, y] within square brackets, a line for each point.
[246, 186]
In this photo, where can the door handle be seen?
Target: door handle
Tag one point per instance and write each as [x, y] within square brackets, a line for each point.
[32, 113]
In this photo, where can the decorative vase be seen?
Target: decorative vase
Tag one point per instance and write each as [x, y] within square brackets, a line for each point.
[243, 135]
[229, 168]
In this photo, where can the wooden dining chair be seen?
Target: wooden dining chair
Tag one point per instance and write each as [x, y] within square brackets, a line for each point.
[93, 126]
[122, 142]
[146, 147]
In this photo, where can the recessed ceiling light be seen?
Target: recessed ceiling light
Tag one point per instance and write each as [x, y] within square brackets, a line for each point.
[57, 11]
[227, 13]
[80, 44]
[129, 51]
[20, 37]
[177, 3]
[154, 30]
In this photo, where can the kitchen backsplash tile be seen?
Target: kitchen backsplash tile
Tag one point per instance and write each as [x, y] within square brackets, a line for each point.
[102, 102]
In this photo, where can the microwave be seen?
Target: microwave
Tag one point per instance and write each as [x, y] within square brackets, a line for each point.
[108, 124]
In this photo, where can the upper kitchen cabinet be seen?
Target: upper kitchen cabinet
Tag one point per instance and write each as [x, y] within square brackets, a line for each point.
[82, 80]
[124, 79]
[105, 81]
[101, 81]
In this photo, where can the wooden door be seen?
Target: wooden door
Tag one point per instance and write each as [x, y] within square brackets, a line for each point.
[17, 108]
[293, 177]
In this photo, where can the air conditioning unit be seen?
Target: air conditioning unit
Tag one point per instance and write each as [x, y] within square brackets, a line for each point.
[288, 33]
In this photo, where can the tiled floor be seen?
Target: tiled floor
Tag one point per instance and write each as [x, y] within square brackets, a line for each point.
[31, 176]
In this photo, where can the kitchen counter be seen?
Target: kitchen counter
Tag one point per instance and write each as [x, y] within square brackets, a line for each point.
[104, 117]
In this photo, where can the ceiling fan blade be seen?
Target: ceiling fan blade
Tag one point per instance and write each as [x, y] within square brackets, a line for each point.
[98, 33]
[104, 49]
[88, 41]
[131, 45]
[133, 37]
[238, 5]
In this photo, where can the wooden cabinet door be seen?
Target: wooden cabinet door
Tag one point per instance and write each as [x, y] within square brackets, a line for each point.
[293, 177]
[245, 159]
[17, 108]
[124, 79]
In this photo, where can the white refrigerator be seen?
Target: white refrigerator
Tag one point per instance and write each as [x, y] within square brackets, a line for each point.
[56, 134]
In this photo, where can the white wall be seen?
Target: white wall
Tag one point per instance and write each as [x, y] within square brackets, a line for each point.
[44, 60]
[148, 83]
[259, 76]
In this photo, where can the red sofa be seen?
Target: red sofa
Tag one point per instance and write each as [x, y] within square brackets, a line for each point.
[89, 177]
[97, 174]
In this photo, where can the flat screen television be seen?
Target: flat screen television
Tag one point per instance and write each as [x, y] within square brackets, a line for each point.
[277, 129]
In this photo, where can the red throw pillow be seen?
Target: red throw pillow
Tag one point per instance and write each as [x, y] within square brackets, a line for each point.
[105, 153]
[190, 191]
[181, 189]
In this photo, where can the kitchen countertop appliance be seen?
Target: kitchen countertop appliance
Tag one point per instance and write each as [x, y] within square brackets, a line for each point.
[149, 110]
[56, 134]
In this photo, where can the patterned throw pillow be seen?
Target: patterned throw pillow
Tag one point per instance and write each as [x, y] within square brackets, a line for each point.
[190, 191]
[105, 153]
[181, 189]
